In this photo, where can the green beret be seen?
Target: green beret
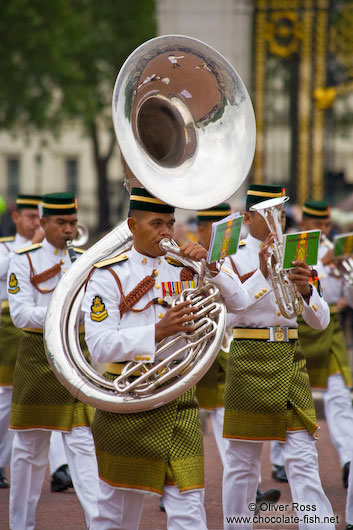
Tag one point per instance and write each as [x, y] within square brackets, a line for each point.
[28, 201]
[141, 199]
[216, 213]
[262, 192]
[59, 204]
[316, 209]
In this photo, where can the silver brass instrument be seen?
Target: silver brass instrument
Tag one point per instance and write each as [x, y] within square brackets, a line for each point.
[346, 270]
[80, 240]
[183, 118]
[288, 299]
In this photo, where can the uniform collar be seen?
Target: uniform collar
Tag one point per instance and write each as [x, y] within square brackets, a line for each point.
[21, 240]
[253, 243]
[147, 261]
[52, 250]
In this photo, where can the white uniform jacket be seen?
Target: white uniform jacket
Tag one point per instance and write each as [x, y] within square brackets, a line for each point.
[6, 250]
[28, 306]
[265, 312]
[333, 288]
[114, 339]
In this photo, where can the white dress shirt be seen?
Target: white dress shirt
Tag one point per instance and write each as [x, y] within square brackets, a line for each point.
[265, 312]
[28, 306]
[116, 339]
[6, 250]
[333, 288]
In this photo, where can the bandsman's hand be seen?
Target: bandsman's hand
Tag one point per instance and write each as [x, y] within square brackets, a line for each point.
[38, 236]
[300, 277]
[264, 253]
[328, 257]
[174, 321]
[197, 252]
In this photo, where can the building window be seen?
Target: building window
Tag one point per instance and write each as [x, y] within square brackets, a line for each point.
[13, 177]
[72, 175]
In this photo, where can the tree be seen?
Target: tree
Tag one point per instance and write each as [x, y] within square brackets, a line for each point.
[59, 61]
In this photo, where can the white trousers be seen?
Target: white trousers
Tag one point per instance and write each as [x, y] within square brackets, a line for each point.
[241, 474]
[217, 420]
[57, 454]
[6, 436]
[28, 465]
[122, 509]
[276, 454]
[349, 500]
[339, 415]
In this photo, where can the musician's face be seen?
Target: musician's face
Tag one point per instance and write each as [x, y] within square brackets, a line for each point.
[204, 231]
[258, 227]
[310, 223]
[26, 221]
[148, 229]
[59, 228]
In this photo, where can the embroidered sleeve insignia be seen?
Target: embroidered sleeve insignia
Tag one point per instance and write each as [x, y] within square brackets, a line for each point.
[13, 284]
[98, 310]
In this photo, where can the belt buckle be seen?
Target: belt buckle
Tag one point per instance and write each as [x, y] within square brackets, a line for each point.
[278, 334]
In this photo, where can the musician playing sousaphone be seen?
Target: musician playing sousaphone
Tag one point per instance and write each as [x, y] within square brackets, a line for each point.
[267, 390]
[40, 403]
[325, 351]
[127, 311]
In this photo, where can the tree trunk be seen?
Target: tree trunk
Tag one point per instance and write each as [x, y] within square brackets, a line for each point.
[101, 162]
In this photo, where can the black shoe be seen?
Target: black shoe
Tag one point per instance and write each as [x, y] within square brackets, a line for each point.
[161, 505]
[265, 498]
[349, 527]
[345, 475]
[279, 473]
[4, 483]
[61, 479]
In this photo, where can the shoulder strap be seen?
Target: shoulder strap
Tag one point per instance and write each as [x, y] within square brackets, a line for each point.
[243, 277]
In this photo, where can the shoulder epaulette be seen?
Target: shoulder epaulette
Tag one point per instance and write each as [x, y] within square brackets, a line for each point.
[7, 239]
[242, 242]
[28, 249]
[79, 250]
[173, 261]
[111, 261]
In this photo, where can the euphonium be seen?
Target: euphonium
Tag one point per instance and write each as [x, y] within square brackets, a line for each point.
[288, 299]
[186, 130]
[345, 270]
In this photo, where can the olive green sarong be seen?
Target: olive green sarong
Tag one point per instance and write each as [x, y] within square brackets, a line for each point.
[10, 341]
[39, 400]
[267, 391]
[325, 351]
[144, 451]
[210, 389]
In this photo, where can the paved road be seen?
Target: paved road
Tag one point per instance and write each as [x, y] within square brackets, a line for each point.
[61, 510]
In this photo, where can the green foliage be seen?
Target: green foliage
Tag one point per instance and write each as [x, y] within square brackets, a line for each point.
[59, 60]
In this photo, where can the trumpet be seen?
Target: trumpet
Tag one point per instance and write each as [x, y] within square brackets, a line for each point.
[346, 272]
[287, 296]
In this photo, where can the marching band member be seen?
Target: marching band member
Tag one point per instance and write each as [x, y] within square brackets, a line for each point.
[26, 219]
[210, 389]
[156, 451]
[267, 391]
[326, 352]
[40, 403]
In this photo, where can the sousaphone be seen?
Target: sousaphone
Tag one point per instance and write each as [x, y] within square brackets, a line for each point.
[186, 130]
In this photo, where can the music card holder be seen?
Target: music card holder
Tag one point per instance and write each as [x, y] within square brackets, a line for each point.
[301, 246]
[225, 237]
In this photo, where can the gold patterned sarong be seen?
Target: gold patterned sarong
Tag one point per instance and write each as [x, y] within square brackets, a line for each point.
[10, 341]
[267, 391]
[325, 351]
[144, 451]
[39, 400]
[210, 389]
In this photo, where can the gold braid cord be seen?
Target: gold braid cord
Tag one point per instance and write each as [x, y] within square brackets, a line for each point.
[244, 277]
[187, 274]
[35, 279]
[128, 301]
